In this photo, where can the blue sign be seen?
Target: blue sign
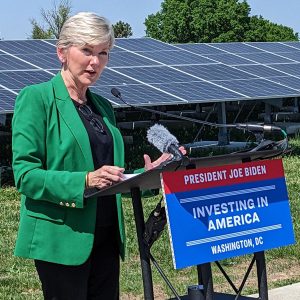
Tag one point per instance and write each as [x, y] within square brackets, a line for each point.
[225, 211]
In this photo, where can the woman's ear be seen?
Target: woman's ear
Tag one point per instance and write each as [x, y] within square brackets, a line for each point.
[61, 53]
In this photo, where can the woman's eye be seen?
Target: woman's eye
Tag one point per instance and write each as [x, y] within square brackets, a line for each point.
[103, 53]
[86, 51]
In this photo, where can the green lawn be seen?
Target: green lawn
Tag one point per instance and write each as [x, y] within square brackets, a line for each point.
[18, 279]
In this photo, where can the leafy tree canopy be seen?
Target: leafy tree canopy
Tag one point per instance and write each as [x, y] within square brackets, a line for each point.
[206, 21]
[54, 19]
[122, 30]
[261, 30]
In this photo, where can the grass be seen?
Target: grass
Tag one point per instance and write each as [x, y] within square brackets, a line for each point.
[18, 279]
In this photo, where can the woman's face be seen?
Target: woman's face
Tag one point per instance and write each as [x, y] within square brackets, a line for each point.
[84, 64]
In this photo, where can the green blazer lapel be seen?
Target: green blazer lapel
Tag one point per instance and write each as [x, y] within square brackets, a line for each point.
[70, 116]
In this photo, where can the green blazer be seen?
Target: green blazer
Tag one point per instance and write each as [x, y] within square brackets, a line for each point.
[51, 156]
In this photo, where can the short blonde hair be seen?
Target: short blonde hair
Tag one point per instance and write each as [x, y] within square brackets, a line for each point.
[86, 28]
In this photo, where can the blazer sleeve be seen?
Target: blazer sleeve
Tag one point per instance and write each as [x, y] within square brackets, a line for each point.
[29, 134]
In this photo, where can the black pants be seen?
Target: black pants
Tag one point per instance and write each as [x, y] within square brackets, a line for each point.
[96, 279]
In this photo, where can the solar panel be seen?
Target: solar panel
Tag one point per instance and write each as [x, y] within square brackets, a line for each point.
[236, 48]
[272, 47]
[199, 48]
[228, 59]
[295, 45]
[53, 42]
[124, 58]
[266, 58]
[215, 72]
[9, 63]
[288, 69]
[111, 78]
[259, 88]
[26, 47]
[141, 45]
[156, 74]
[19, 79]
[176, 57]
[44, 61]
[150, 72]
[197, 91]
[139, 94]
[295, 55]
[261, 70]
[6, 105]
[292, 82]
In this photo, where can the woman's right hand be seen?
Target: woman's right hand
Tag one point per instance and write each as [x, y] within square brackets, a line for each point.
[104, 176]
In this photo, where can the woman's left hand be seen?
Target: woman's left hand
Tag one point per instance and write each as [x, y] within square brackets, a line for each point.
[165, 156]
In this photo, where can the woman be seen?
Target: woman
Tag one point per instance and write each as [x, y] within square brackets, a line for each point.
[64, 140]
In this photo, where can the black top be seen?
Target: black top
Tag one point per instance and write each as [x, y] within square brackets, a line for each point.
[101, 142]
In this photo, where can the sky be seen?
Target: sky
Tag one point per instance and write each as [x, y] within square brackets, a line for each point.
[15, 15]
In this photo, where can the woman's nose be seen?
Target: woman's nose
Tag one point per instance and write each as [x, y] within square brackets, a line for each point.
[95, 60]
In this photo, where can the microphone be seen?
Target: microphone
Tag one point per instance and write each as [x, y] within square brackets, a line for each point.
[164, 141]
[257, 127]
[116, 93]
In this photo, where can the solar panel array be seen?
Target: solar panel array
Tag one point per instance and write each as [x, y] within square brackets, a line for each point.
[150, 72]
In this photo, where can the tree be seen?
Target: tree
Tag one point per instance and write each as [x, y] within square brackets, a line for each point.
[38, 32]
[122, 29]
[184, 21]
[263, 30]
[54, 19]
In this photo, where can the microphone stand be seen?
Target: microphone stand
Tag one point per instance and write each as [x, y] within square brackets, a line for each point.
[243, 126]
[255, 129]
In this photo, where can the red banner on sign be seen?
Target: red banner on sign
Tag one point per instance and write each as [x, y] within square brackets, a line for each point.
[188, 180]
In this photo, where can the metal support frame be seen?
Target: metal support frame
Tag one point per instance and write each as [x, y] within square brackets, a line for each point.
[261, 275]
[204, 270]
[268, 113]
[205, 278]
[239, 112]
[144, 254]
[223, 135]
[206, 120]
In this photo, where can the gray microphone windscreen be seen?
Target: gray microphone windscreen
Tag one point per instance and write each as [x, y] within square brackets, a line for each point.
[161, 138]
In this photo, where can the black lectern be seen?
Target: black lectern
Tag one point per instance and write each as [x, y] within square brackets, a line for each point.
[151, 180]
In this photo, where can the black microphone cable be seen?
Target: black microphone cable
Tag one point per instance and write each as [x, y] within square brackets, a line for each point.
[255, 129]
[118, 95]
[242, 126]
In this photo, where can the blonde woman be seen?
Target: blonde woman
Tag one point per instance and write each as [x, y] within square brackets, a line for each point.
[64, 140]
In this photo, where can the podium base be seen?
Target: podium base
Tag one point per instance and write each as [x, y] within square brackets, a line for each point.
[220, 296]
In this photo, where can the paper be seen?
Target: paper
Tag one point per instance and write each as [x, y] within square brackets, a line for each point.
[128, 176]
